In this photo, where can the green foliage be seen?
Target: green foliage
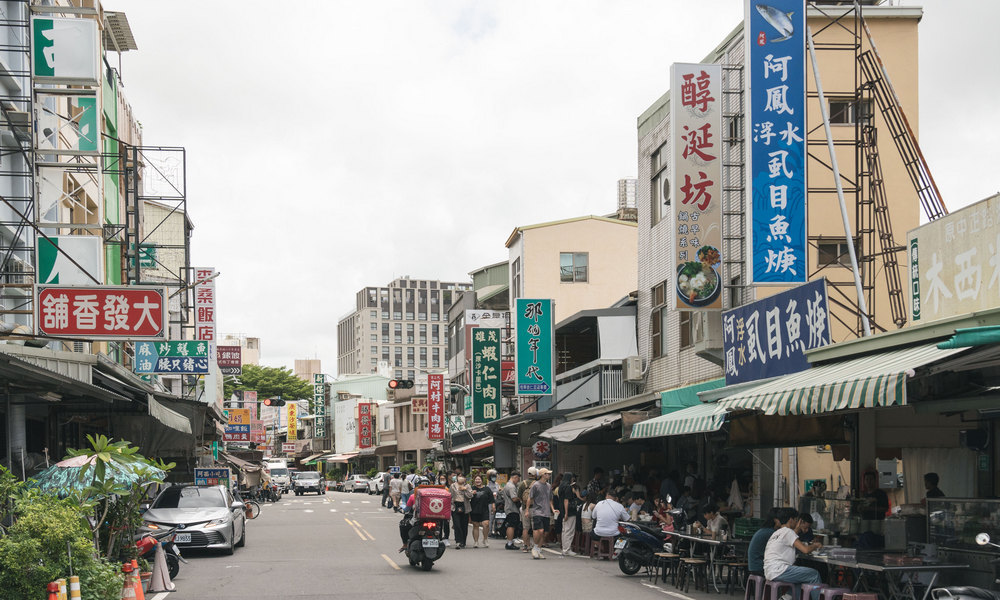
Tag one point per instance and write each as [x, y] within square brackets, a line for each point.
[270, 382]
[34, 551]
[335, 475]
[372, 473]
[409, 468]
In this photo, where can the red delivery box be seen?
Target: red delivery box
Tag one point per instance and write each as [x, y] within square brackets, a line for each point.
[433, 503]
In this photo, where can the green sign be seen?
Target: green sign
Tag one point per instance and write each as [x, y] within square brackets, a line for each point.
[984, 462]
[485, 374]
[535, 343]
[64, 50]
[468, 404]
[147, 256]
[55, 266]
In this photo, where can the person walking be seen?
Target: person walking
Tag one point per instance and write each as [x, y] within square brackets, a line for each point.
[461, 493]
[512, 507]
[395, 491]
[479, 516]
[406, 488]
[541, 509]
[491, 482]
[522, 493]
[386, 478]
[570, 499]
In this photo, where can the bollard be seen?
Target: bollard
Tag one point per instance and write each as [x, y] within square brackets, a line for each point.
[74, 587]
[62, 588]
[53, 589]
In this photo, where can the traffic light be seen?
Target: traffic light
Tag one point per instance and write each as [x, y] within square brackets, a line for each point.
[274, 401]
[400, 384]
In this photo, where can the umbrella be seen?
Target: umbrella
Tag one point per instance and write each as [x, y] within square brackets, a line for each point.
[64, 476]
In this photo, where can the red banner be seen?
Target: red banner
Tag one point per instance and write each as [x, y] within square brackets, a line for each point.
[435, 407]
[101, 312]
[366, 426]
[204, 304]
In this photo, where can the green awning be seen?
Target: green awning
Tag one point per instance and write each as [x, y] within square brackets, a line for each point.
[685, 396]
[866, 382]
[702, 418]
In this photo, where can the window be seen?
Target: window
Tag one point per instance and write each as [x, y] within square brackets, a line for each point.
[833, 252]
[409, 316]
[409, 351]
[374, 350]
[385, 314]
[573, 266]
[515, 278]
[374, 337]
[685, 328]
[659, 185]
[657, 318]
[843, 111]
[409, 375]
[397, 316]
[373, 326]
[422, 316]
[385, 338]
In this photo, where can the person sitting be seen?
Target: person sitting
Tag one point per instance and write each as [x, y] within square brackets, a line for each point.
[755, 553]
[606, 515]
[779, 554]
[638, 506]
[714, 522]
[805, 528]
[661, 514]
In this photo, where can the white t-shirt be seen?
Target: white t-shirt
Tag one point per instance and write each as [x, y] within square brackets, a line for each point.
[716, 524]
[606, 515]
[779, 553]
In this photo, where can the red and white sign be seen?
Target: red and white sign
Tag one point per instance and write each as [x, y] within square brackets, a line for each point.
[101, 312]
[229, 359]
[288, 447]
[366, 432]
[435, 407]
[258, 433]
[204, 304]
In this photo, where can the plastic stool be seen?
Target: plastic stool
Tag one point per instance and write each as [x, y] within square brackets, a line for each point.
[833, 593]
[805, 590]
[693, 568]
[755, 583]
[601, 548]
[773, 589]
[668, 561]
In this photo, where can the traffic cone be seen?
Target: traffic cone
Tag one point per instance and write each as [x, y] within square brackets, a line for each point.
[138, 580]
[128, 588]
[74, 587]
[53, 589]
[160, 580]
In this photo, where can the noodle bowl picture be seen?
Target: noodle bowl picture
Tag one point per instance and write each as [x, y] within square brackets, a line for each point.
[698, 281]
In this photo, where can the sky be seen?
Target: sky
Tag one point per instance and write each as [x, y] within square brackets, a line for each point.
[336, 145]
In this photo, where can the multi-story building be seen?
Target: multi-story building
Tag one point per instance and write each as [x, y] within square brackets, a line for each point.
[249, 347]
[626, 199]
[306, 368]
[403, 324]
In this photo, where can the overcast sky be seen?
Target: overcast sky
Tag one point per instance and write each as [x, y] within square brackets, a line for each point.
[335, 145]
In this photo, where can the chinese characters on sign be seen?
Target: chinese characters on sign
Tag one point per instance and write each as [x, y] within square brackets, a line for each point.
[696, 137]
[213, 476]
[418, 405]
[293, 421]
[770, 337]
[535, 340]
[955, 263]
[485, 374]
[204, 305]
[101, 312]
[319, 404]
[229, 359]
[435, 406]
[776, 161]
[171, 357]
[366, 432]
[237, 426]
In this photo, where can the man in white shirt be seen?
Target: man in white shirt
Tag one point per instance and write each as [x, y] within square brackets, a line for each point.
[714, 522]
[606, 515]
[779, 555]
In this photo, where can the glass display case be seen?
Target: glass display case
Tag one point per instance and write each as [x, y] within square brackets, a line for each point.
[840, 516]
[954, 522]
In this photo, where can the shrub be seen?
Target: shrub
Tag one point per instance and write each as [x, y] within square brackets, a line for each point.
[372, 473]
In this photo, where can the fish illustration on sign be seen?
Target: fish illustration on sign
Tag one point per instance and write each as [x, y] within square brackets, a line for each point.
[782, 22]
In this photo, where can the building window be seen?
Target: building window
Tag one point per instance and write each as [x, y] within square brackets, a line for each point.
[397, 316]
[833, 252]
[685, 328]
[374, 350]
[409, 316]
[573, 266]
[844, 111]
[657, 317]
[515, 281]
[373, 314]
[409, 375]
[421, 316]
[385, 314]
[374, 337]
[659, 185]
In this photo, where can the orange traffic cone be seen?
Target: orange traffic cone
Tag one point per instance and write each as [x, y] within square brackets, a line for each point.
[138, 580]
[53, 589]
[128, 589]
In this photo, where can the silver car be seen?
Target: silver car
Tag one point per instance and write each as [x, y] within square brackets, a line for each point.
[205, 517]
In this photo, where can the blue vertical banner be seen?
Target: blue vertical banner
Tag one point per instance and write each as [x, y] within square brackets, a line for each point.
[535, 329]
[776, 129]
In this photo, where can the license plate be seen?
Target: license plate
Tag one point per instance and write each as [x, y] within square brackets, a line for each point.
[183, 538]
[430, 543]
[500, 515]
[619, 544]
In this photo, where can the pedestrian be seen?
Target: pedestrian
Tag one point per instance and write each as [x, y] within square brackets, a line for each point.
[491, 482]
[512, 508]
[386, 478]
[406, 488]
[461, 493]
[396, 491]
[522, 493]
[779, 555]
[541, 510]
[606, 515]
[570, 499]
[479, 516]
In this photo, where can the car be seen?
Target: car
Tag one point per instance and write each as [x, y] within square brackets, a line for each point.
[375, 484]
[205, 517]
[356, 483]
[308, 481]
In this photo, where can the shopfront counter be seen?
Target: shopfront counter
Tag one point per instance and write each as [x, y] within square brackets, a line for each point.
[952, 526]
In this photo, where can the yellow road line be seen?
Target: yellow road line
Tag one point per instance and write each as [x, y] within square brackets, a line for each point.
[355, 529]
[391, 562]
[368, 534]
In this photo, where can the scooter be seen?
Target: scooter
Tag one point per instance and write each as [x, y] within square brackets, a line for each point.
[426, 543]
[147, 549]
[968, 592]
[637, 544]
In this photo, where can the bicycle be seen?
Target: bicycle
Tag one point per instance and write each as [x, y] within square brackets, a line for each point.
[252, 509]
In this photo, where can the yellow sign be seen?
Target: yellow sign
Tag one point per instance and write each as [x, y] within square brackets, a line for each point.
[239, 416]
[293, 422]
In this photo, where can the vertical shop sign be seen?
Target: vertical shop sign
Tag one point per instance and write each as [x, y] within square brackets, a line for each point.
[435, 406]
[229, 359]
[366, 435]
[485, 374]
[319, 404]
[696, 213]
[204, 304]
[535, 342]
[776, 130]
[292, 413]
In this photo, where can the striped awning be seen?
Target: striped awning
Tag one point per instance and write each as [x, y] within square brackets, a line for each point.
[700, 418]
[866, 382]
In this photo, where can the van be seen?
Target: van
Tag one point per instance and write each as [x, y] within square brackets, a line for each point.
[277, 469]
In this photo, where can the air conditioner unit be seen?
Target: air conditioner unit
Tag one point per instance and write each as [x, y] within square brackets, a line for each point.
[632, 369]
[706, 336]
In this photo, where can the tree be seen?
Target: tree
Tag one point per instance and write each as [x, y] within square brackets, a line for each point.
[270, 382]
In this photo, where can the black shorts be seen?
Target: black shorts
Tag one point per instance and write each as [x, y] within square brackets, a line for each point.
[513, 519]
[539, 523]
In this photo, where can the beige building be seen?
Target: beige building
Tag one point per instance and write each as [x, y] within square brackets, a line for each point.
[250, 347]
[305, 368]
[581, 263]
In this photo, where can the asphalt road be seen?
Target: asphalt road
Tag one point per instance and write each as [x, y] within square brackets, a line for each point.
[343, 545]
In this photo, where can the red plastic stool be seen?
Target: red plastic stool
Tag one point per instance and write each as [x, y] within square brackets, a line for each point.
[601, 547]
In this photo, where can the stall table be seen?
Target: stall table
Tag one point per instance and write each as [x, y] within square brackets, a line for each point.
[713, 548]
[890, 580]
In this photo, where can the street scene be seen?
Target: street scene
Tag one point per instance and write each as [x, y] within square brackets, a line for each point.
[635, 299]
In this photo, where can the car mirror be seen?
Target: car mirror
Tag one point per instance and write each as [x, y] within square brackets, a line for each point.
[238, 505]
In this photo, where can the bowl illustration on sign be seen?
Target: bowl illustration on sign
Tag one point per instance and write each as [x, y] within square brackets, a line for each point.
[698, 281]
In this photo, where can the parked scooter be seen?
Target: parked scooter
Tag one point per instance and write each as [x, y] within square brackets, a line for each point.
[637, 544]
[147, 543]
[968, 592]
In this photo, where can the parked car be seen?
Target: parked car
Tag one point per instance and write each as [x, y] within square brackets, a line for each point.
[375, 485]
[356, 483]
[308, 481]
[205, 517]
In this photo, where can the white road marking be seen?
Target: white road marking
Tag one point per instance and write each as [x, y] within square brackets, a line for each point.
[345, 501]
[308, 510]
[163, 595]
[333, 510]
[667, 592]
[366, 502]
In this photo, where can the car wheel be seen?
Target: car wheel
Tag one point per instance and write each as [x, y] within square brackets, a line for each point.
[243, 538]
[232, 541]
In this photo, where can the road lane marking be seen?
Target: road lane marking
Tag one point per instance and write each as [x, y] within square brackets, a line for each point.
[333, 510]
[163, 595]
[368, 534]
[355, 530]
[667, 592]
[391, 562]
[308, 510]
[366, 502]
